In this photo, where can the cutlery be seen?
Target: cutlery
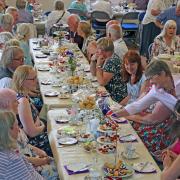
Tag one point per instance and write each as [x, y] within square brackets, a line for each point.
[145, 164]
[125, 136]
[83, 168]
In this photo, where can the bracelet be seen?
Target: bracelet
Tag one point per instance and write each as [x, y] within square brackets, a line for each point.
[99, 67]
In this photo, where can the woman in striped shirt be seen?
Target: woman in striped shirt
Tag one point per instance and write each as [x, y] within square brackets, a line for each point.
[13, 165]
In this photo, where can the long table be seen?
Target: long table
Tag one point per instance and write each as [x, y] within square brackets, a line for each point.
[65, 155]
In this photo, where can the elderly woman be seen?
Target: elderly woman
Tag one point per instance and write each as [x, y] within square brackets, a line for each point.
[23, 35]
[4, 37]
[37, 157]
[84, 30]
[25, 81]
[153, 125]
[12, 57]
[81, 6]
[167, 42]
[12, 163]
[107, 66]
[58, 15]
[23, 15]
[6, 23]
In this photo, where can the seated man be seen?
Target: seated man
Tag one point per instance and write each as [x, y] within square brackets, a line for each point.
[172, 13]
[115, 33]
[73, 21]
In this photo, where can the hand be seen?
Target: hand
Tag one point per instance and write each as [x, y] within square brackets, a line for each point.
[41, 153]
[168, 160]
[100, 61]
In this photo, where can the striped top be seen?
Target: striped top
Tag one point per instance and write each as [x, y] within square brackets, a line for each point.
[13, 166]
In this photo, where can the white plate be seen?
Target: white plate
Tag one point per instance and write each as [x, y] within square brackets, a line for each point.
[46, 82]
[149, 168]
[67, 141]
[108, 147]
[99, 140]
[64, 96]
[134, 156]
[83, 139]
[128, 138]
[118, 120]
[43, 68]
[51, 93]
[62, 119]
[164, 56]
[41, 56]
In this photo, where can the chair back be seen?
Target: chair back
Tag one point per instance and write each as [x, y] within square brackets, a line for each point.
[130, 17]
[141, 16]
[100, 15]
[76, 11]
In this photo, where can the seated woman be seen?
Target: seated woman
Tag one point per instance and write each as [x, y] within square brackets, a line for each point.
[167, 42]
[171, 160]
[23, 35]
[81, 6]
[37, 157]
[4, 37]
[58, 15]
[153, 125]
[107, 68]
[6, 23]
[24, 81]
[11, 58]
[132, 72]
[24, 16]
[84, 30]
[12, 163]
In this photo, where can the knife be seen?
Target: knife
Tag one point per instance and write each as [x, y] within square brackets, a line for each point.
[145, 164]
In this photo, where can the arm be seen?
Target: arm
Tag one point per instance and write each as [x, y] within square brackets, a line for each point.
[158, 24]
[155, 12]
[171, 172]
[26, 118]
[93, 67]
[124, 101]
[37, 161]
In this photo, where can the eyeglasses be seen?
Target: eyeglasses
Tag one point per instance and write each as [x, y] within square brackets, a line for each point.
[32, 79]
[21, 59]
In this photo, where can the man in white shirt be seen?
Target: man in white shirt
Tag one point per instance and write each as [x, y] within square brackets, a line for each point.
[102, 5]
[115, 33]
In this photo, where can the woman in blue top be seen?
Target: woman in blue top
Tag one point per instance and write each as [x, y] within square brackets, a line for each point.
[133, 75]
[23, 35]
[79, 5]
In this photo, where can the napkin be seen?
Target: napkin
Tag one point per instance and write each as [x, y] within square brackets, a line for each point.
[70, 172]
[125, 141]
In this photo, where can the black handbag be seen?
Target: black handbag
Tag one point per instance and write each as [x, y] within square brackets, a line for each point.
[56, 26]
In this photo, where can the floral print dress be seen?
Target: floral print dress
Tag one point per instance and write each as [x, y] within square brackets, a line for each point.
[116, 86]
[160, 46]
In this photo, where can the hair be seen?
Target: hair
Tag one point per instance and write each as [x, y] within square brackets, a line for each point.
[178, 4]
[11, 9]
[110, 23]
[5, 36]
[19, 76]
[85, 28]
[12, 42]
[21, 4]
[7, 21]
[169, 23]
[8, 55]
[7, 96]
[7, 120]
[105, 44]
[115, 30]
[132, 57]
[156, 67]
[59, 5]
[22, 31]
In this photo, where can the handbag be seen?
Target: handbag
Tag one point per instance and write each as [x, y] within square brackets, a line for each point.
[56, 26]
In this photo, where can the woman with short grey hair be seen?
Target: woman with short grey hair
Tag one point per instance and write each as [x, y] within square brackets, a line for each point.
[4, 37]
[7, 22]
[12, 57]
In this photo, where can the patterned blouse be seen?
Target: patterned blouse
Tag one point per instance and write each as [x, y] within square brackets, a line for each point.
[160, 46]
[116, 87]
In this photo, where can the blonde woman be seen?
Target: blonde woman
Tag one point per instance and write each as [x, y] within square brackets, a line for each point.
[167, 42]
[4, 37]
[6, 23]
[84, 30]
[12, 42]
[23, 35]
[12, 163]
[25, 81]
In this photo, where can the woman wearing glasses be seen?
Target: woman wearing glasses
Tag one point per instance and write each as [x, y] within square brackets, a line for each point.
[25, 81]
[12, 57]
[153, 124]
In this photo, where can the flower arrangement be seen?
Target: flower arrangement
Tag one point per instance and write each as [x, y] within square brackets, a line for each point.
[71, 61]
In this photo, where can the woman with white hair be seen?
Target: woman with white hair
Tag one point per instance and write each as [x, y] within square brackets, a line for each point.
[23, 35]
[4, 37]
[167, 42]
[6, 23]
